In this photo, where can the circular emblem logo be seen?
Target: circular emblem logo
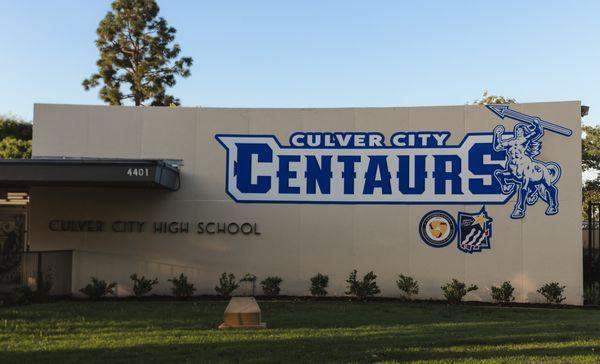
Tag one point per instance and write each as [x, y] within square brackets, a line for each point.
[437, 228]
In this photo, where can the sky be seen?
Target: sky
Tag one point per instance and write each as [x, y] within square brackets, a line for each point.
[321, 53]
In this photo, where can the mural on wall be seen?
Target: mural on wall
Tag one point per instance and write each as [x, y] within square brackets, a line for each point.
[437, 228]
[416, 167]
[474, 231]
[531, 178]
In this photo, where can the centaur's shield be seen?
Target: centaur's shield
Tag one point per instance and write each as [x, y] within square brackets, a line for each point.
[474, 231]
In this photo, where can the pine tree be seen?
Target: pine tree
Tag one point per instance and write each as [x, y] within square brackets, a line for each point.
[136, 49]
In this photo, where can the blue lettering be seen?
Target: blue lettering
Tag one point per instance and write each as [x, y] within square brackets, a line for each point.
[404, 172]
[285, 174]
[377, 163]
[318, 174]
[478, 167]
[243, 167]
[441, 175]
[349, 174]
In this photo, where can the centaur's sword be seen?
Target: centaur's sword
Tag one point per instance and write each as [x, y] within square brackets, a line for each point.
[504, 111]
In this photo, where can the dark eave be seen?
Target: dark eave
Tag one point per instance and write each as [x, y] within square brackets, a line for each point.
[100, 172]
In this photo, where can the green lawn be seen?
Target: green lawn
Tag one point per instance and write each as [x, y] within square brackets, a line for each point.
[153, 331]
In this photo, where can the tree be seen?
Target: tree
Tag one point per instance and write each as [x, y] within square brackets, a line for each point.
[590, 147]
[590, 161]
[136, 49]
[15, 127]
[487, 99]
[15, 138]
[590, 193]
[11, 148]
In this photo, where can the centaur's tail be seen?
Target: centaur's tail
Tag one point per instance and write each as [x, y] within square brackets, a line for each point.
[553, 173]
[551, 176]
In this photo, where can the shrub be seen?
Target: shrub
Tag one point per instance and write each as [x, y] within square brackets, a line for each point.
[181, 288]
[44, 287]
[21, 296]
[142, 285]
[591, 295]
[98, 288]
[456, 290]
[407, 285]
[227, 284]
[24, 294]
[504, 293]
[364, 288]
[318, 284]
[250, 278]
[552, 292]
[270, 285]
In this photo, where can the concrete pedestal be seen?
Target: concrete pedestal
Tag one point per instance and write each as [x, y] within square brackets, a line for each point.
[242, 313]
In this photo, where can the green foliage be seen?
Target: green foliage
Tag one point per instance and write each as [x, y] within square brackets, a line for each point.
[487, 99]
[21, 296]
[456, 290]
[318, 285]
[591, 295]
[98, 288]
[504, 293]
[315, 332]
[43, 288]
[181, 288]
[250, 278]
[24, 294]
[552, 292]
[270, 285]
[15, 138]
[590, 147]
[142, 285]
[364, 288]
[590, 160]
[408, 285]
[11, 148]
[590, 193]
[137, 52]
[227, 284]
[13, 127]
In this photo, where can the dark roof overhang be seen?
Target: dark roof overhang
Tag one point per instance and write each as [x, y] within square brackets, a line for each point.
[93, 172]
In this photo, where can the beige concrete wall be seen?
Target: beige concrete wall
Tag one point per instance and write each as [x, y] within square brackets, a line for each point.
[299, 240]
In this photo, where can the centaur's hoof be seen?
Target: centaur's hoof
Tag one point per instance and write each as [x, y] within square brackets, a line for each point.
[518, 214]
[551, 210]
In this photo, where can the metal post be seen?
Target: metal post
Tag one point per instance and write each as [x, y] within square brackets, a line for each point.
[40, 276]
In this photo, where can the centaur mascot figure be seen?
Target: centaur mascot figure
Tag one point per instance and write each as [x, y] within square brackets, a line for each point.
[532, 179]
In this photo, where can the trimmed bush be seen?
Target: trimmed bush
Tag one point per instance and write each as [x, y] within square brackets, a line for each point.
[142, 285]
[251, 278]
[504, 293]
[552, 292]
[98, 288]
[456, 290]
[270, 285]
[227, 284]
[364, 288]
[408, 286]
[181, 288]
[318, 284]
